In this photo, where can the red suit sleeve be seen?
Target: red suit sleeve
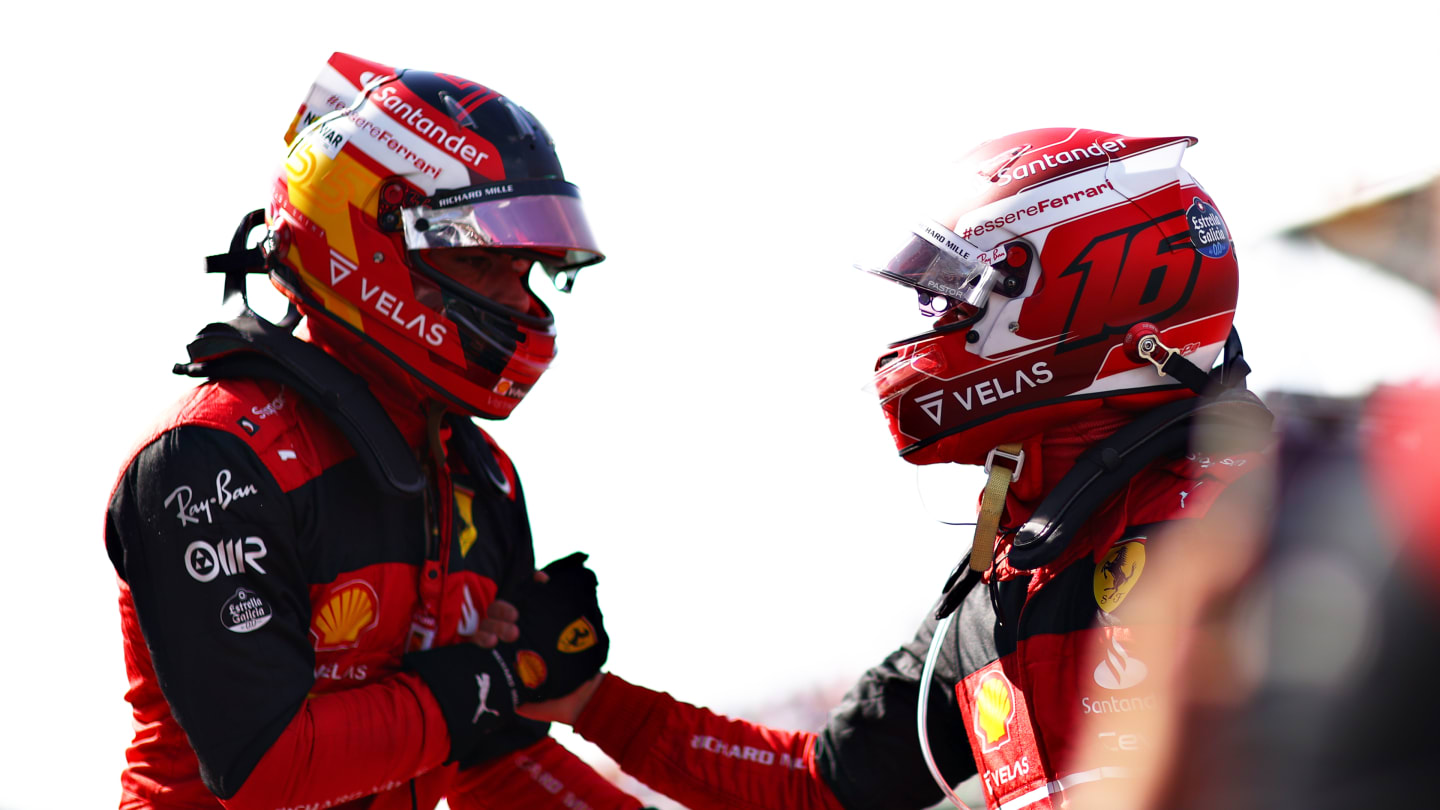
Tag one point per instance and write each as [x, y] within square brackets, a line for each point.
[543, 776]
[337, 737]
[702, 759]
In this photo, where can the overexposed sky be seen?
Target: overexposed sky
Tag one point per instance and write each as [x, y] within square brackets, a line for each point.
[705, 433]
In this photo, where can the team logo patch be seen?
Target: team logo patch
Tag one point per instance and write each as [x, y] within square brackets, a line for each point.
[1207, 230]
[532, 668]
[206, 561]
[1117, 575]
[994, 709]
[1119, 670]
[464, 507]
[577, 636]
[245, 611]
[351, 609]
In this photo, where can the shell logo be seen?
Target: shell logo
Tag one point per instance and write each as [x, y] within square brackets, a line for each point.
[1117, 575]
[351, 609]
[532, 668]
[994, 709]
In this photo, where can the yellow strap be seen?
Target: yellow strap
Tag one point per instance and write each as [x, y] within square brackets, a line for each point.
[987, 524]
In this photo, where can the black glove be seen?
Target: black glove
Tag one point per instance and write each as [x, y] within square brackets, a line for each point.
[475, 687]
[562, 645]
[562, 640]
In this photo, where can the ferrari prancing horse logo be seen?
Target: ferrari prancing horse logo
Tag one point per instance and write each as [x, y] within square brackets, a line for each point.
[1118, 573]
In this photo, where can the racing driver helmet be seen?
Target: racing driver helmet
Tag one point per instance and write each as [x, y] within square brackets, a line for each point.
[409, 210]
[1048, 249]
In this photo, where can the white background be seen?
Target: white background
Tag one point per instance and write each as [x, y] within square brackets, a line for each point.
[705, 433]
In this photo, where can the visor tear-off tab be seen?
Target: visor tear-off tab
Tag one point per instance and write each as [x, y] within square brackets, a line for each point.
[987, 523]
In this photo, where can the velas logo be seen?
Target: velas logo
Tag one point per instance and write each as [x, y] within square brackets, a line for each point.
[577, 636]
[340, 267]
[1207, 230]
[994, 709]
[391, 307]
[1119, 670]
[351, 609]
[986, 392]
[1118, 573]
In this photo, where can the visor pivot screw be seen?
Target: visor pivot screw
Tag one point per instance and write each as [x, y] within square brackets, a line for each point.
[972, 336]
[1142, 345]
[1014, 326]
[1011, 284]
[377, 257]
[1140, 341]
[388, 221]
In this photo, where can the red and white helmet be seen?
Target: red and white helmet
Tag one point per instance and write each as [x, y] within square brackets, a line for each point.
[403, 195]
[1053, 245]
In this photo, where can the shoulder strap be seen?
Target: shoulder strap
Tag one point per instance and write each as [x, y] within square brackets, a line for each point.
[476, 452]
[1232, 421]
[250, 346]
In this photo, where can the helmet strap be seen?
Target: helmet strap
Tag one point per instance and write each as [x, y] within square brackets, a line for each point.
[1003, 464]
[1142, 344]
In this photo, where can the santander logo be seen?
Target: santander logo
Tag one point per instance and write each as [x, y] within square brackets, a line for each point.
[405, 109]
[1118, 670]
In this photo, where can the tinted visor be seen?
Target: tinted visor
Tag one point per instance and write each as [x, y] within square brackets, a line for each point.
[544, 216]
[936, 260]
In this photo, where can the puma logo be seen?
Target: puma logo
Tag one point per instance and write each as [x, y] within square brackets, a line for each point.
[482, 682]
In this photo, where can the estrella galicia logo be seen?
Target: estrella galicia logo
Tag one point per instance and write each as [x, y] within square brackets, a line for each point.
[247, 426]
[1207, 230]
[245, 611]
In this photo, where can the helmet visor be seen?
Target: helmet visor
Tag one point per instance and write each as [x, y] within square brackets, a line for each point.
[541, 215]
[935, 259]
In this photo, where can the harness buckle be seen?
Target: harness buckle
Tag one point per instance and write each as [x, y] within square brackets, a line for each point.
[1017, 461]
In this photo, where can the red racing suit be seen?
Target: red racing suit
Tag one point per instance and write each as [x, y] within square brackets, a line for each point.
[268, 589]
[1030, 654]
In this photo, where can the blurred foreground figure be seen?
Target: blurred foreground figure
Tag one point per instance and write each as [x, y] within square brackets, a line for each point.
[1320, 655]
[1082, 286]
[308, 543]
